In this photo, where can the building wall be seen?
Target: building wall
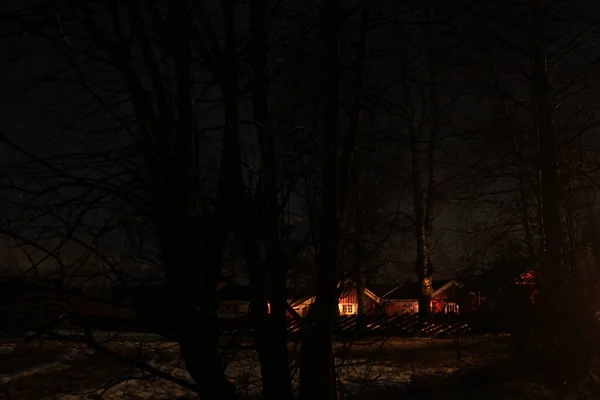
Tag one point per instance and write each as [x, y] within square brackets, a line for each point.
[440, 303]
[452, 300]
[401, 307]
[350, 297]
[233, 308]
[348, 304]
[302, 310]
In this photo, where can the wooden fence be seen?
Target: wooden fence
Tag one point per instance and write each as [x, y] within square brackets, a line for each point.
[407, 325]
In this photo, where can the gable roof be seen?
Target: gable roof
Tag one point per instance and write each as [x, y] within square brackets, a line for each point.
[446, 286]
[382, 290]
[309, 293]
[411, 290]
[405, 291]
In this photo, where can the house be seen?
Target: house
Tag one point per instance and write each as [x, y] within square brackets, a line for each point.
[449, 297]
[503, 284]
[301, 302]
[348, 301]
[234, 301]
[399, 299]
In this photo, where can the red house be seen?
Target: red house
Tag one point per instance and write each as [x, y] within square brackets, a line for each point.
[501, 285]
[449, 297]
[348, 302]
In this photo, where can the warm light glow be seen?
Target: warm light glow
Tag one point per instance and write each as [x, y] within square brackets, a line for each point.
[348, 308]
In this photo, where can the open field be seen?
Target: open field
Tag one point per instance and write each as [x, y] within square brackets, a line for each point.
[68, 371]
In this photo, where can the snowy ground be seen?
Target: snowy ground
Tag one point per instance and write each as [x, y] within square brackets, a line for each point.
[67, 371]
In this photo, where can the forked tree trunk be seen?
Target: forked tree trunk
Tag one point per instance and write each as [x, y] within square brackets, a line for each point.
[267, 275]
[191, 278]
[191, 283]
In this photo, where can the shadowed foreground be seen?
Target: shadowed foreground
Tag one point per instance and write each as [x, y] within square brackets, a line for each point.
[472, 368]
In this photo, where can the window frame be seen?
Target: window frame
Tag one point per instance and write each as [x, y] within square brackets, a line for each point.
[452, 308]
[353, 308]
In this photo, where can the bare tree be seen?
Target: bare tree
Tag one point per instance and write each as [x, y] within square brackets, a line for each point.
[318, 374]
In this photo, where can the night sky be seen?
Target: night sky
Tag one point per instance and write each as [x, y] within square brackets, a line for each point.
[49, 116]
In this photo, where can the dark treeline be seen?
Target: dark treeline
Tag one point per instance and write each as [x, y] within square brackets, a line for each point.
[177, 140]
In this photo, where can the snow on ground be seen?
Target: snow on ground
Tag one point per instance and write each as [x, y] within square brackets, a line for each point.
[66, 371]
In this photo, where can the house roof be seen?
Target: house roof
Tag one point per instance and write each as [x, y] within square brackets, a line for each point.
[300, 295]
[304, 292]
[406, 291]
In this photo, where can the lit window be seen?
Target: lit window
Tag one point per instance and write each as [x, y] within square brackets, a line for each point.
[451, 308]
[347, 309]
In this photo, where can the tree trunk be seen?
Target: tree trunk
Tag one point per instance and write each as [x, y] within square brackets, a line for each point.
[357, 117]
[363, 310]
[350, 169]
[318, 368]
[516, 140]
[270, 333]
[359, 253]
[273, 350]
[191, 306]
[196, 331]
[424, 199]
[423, 213]
[552, 266]
[556, 339]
